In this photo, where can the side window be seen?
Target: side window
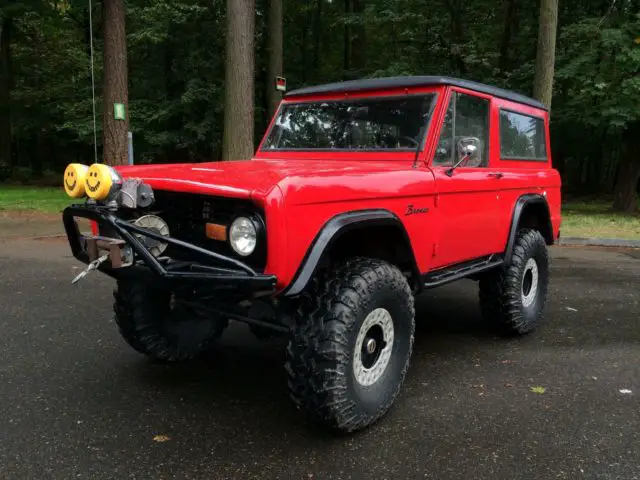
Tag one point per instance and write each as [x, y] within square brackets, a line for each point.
[522, 137]
[466, 123]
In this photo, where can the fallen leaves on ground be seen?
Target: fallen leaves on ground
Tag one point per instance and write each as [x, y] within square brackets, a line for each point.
[538, 390]
[161, 438]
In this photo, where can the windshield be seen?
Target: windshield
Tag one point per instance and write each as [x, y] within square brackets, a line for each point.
[373, 124]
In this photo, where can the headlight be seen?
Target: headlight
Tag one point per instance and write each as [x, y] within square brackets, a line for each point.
[243, 236]
[74, 179]
[156, 225]
[102, 182]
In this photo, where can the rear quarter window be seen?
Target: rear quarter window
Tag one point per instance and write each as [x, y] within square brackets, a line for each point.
[522, 137]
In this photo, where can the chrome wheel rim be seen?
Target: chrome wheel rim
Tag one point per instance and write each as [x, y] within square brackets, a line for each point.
[374, 345]
[530, 283]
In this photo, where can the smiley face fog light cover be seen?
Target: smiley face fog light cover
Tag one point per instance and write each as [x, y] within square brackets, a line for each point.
[102, 181]
[74, 180]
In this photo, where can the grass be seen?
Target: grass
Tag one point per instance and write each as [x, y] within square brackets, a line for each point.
[43, 200]
[579, 218]
[596, 219]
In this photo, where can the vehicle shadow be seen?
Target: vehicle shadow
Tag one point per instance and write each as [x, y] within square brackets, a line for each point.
[233, 404]
[245, 379]
[242, 386]
[450, 310]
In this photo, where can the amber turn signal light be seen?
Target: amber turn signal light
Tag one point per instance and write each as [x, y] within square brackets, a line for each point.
[216, 232]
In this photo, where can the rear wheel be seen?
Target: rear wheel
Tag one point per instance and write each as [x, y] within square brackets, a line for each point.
[351, 345]
[512, 298]
[161, 324]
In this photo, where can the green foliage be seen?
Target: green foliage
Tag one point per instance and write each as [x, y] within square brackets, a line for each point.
[600, 76]
[176, 54]
[50, 94]
[176, 80]
[150, 22]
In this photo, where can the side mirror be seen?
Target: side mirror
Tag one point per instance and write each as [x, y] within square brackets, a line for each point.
[468, 148]
[442, 152]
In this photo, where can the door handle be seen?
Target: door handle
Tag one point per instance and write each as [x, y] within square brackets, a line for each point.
[496, 175]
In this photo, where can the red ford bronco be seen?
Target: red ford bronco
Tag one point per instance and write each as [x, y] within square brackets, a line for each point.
[361, 195]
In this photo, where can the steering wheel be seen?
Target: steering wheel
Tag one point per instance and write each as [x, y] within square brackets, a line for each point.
[411, 139]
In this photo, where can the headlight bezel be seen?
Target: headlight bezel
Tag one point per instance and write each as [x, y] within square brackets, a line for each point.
[257, 223]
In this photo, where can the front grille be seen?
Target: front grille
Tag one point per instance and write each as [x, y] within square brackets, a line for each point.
[187, 213]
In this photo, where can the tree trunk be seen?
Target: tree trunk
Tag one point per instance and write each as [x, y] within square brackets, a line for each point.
[40, 154]
[510, 26]
[546, 53]
[359, 40]
[239, 90]
[6, 25]
[115, 82]
[456, 22]
[346, 66]
[275, 54]
[305, 25]
[86, 30]
[167, 57]
[317, 37]
[626, 189]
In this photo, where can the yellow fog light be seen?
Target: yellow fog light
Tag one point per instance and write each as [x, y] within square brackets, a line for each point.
[100, 181]
[74, 177]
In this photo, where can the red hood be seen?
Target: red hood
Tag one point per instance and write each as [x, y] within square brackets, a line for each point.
[243, 179]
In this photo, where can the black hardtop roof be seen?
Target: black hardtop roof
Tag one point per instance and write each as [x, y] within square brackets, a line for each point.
[414, 81]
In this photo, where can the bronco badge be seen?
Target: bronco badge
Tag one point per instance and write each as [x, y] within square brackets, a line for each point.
[411, 210]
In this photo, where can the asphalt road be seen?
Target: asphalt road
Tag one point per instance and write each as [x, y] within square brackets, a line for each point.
[76, 402]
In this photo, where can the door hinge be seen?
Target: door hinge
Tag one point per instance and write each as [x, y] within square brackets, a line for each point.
[435, 250]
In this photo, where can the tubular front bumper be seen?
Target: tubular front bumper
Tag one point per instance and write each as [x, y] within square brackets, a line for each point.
[218, 272]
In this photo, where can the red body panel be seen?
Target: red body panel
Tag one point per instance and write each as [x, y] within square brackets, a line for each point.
[469, 213]
[312, 201]
[476, 205]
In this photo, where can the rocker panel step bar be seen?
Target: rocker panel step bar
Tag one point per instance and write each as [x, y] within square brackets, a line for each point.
[461, 270]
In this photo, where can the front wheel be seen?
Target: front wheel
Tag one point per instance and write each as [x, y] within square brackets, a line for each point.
[351, 345]
[512, 298]
[162, 324]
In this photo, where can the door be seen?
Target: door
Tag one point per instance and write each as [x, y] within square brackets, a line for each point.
[522, 158]
[466, 188]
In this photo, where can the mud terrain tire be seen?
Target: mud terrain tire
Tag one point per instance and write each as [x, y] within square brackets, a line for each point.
[150, 322]
[512, 298]
[351, 344]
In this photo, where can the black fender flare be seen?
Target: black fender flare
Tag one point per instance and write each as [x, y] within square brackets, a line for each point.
[518, 209]
[331, 231]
